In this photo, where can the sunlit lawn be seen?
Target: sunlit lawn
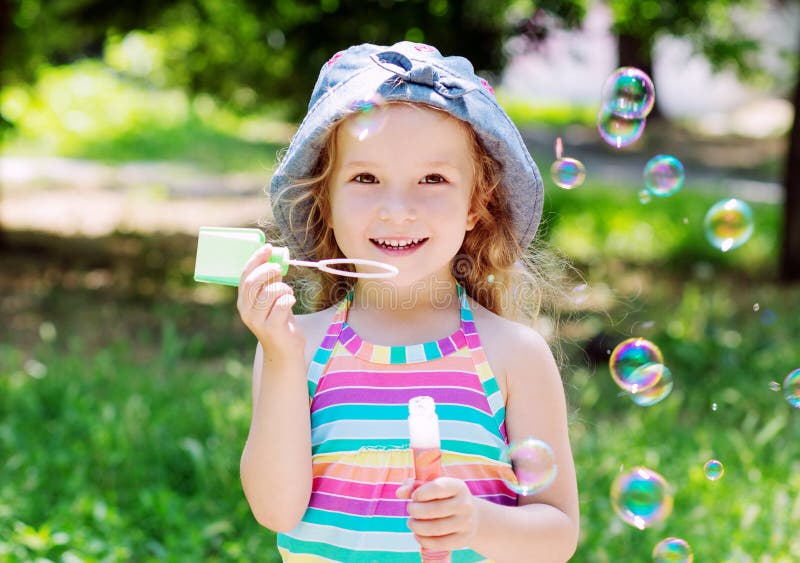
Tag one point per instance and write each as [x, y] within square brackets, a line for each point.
[124, 392]
[124, 387]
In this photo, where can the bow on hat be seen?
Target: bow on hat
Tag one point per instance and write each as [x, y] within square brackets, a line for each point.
[425, 74]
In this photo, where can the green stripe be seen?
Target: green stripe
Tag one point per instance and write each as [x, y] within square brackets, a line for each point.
[357, 523]
[490, 387]
[432, 351]
[341, 554]
[455, 446]
[321, 356]
[468, 448]
[397, 355]
[338, 446]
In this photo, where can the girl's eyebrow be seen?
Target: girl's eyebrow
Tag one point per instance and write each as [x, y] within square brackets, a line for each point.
[423, 164]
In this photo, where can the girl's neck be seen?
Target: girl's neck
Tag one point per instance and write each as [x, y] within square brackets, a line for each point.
[423, 295]
[396, 315]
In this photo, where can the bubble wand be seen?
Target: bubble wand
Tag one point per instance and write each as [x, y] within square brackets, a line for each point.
[223, 252]
[423, 430]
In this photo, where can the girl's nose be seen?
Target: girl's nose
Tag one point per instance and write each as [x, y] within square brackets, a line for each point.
[397, 208]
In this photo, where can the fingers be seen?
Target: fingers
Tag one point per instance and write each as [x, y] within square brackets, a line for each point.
[259, 257]
[404, 491]
[431, 510]
[441, 513]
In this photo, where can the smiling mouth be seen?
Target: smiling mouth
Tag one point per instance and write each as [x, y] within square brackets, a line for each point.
[398, 244]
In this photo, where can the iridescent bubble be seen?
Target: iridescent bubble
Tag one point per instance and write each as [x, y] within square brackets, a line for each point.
[534, 463]
[756, 307]
[368, 116]
[644, 197]
[628, 357]
[619, 131]
[663, 175]
[774, 386]
[641, 497]
[658, 391]
[713, 469]
[629, 93]
[714, 407]
[568, 173]
[490, 278]
[672, 550]
[729, 224]
[791, 388]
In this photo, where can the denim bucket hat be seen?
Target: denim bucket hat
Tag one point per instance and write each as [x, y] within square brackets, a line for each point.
[411, 72]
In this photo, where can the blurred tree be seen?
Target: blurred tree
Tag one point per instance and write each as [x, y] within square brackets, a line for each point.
[709, 25]
[250, 52]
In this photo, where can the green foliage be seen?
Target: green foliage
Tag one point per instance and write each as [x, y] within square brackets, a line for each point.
[245, 52]
[88, 110]
[596, 223]
[710, 25]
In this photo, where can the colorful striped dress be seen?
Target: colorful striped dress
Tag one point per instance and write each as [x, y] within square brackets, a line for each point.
[360, 446]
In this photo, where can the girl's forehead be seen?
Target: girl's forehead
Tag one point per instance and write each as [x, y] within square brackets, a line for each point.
[404, 126]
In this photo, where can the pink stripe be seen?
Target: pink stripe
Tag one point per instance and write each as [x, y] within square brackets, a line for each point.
[485, 487]
[401, 379]
[365, 491]
[335, 328]
[330, 397]
[501, 499]
[377, 507]
[474, 341]
[328, 342]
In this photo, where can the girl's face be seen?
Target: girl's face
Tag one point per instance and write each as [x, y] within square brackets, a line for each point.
[402, 194]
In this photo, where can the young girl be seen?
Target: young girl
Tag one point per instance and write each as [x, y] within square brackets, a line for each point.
[436, 181]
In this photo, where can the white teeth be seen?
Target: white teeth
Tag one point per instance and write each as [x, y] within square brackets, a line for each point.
[397, 243]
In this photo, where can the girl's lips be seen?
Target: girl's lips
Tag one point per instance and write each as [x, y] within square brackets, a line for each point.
[390, 250]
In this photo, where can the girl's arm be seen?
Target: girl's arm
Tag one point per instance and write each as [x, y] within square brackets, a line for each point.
[544, 527]
[275, 468]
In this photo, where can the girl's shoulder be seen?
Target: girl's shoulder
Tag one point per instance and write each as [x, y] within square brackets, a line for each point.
[314, 326]
[513, 349]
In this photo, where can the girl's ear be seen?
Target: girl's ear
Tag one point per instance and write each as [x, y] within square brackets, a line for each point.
[472, 219]
[473, 214]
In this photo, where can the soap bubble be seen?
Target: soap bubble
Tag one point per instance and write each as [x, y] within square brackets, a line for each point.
[663, 175]
[729, 224]
[714, 469]
[568, 173]
[644, 197]
[791, 388]
[641, 497]
[629, 93]
[534, 463]
[657, 391]
[619, 131]
[672, 550]
[368, 116]
[628, 357]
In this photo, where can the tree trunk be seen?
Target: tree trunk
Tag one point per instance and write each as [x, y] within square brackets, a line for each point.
[636, 51]
[5, 32]
[790, 249]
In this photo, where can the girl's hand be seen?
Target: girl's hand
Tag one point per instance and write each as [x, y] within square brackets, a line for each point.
[442, 513]
[265, 306]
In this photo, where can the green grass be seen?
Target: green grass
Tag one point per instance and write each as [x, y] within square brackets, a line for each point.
[124, 391]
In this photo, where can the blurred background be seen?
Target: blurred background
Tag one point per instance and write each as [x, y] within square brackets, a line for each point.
[124, 385]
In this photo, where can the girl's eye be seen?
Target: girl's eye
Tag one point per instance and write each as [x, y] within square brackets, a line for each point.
[433, 179]
[365, 178]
